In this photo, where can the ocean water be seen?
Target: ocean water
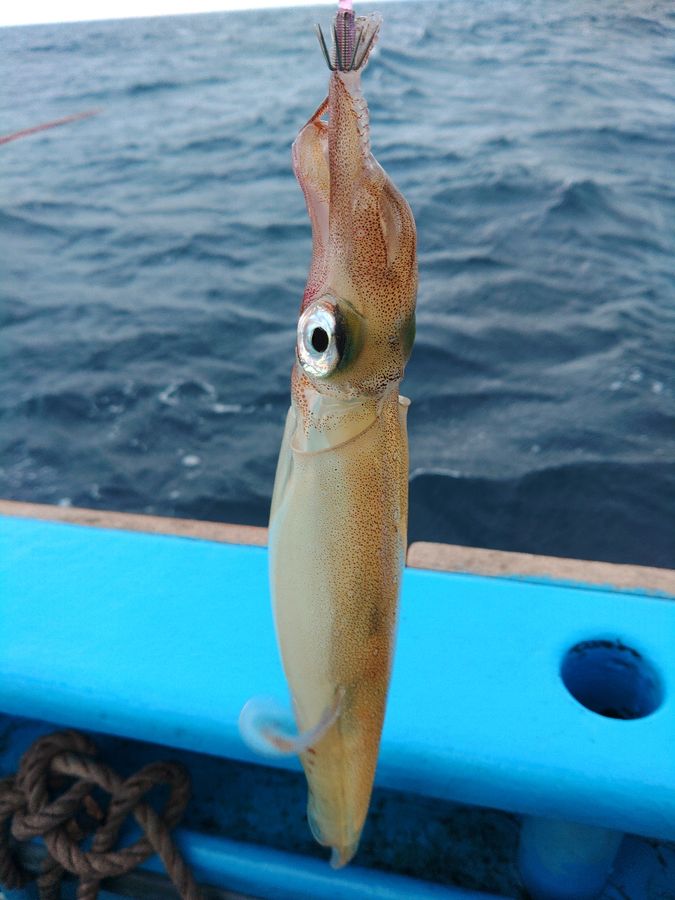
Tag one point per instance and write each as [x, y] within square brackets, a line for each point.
[153, 257]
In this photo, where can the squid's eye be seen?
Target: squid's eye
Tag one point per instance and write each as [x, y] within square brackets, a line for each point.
[321, 339]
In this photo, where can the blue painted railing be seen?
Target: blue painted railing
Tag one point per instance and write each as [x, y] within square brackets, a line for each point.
[544, 699]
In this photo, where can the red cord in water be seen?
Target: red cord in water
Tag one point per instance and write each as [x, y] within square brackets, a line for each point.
[5, 139]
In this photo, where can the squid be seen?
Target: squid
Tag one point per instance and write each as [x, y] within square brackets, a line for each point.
[338, 522]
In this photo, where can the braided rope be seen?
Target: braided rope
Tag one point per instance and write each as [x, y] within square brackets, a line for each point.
[30, 806]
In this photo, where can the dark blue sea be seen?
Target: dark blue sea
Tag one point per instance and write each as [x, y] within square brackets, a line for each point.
[153, 258]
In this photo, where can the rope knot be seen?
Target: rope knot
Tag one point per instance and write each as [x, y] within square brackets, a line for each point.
[59, 794]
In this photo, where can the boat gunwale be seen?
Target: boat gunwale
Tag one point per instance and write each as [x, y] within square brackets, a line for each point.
[432, 556]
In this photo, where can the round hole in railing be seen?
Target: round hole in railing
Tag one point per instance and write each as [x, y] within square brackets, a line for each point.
[611, 679]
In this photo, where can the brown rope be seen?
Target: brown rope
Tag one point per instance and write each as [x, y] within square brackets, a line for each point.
[51, 797]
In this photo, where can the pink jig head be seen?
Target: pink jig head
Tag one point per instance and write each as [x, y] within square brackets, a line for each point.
[350, 48]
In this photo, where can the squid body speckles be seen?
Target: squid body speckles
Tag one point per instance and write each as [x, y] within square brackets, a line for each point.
[339, 510]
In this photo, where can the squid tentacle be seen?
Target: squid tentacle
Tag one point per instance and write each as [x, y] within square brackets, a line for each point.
[267, 727]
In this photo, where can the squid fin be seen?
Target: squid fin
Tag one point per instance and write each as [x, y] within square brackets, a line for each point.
[268, 728]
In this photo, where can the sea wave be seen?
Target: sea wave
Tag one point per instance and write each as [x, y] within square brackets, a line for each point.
[154, 257]
[588, 510]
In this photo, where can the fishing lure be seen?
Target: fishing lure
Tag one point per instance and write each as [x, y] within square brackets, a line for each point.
[338, 522]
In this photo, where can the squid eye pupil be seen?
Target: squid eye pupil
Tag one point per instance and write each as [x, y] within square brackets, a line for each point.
[320, 339]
